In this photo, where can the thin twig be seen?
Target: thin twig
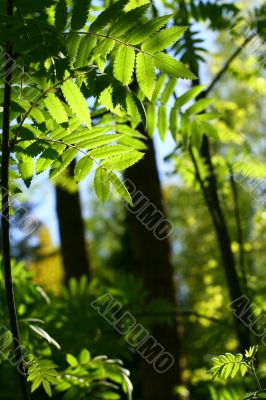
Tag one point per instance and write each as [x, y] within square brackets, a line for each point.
[226, 66]
[160, 314]
[72, 146]
[34, 104]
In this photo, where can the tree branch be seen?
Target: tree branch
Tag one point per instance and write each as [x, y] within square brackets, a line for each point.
[226, 66]
[240, 239]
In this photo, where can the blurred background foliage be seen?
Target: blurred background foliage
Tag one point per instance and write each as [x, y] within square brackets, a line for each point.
[205, 324]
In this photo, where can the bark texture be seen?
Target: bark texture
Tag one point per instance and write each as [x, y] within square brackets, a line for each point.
[152, 263]
[74, 248]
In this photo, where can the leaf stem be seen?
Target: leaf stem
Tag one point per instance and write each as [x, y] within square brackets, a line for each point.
[73, 146]
[253, 372]
[44, 93]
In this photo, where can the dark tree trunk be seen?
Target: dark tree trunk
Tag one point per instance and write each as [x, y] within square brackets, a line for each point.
[212, 199]
[152, 263]
[74, 249]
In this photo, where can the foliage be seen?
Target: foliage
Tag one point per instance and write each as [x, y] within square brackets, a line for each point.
[42, 372]
[227, 366]
[78, 60]
[98, 377]
[85, 77]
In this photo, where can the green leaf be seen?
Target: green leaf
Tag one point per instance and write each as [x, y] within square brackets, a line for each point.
[102, 184]
[199, 106]
[84, 357]
[236, 368]
[86, 46]
[146, 30]
[251, 352]
[81, 135]
[61, 15]
[55, 108]
[46, 364]
[170, 66]
[140, 108]
[63, 386]
[26, 169]
[128, 130]
[71, 360]
[29, 132]
[196, 134]
[174, 121]
[168, 90]
[133, 142]
[110, 395]
[106, 100]
[83, 168]
[76, 101]
[37, 115]
[105, 17]
[185, 128]
[151, 119]
[48, 156]
[189, 95]
[121, 162]
[129, 20]
[226, 371]
[42, 372]
[36, 383]
[109, 151]
[79, 14]
[158, 87]
[104, 47]
[119, 95]
[209, 130]
[59, 165]
[60, 131]
[124, 64]
[207, 116]
[72, 45]
[163, 39]
[99, 141]
[120, 187]
[162, 121]
[228, 365]
[145, 74]
[47, 387]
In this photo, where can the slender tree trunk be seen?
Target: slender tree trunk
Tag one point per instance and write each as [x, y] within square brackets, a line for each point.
[6, 218]
[211, 195]
[152, 263]
[74, 248]
[210, 192]
[213, 202]
[239, 231]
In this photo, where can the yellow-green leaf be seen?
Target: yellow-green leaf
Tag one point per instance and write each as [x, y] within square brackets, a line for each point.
[124, 64]
[102, 184]
[76, 102]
